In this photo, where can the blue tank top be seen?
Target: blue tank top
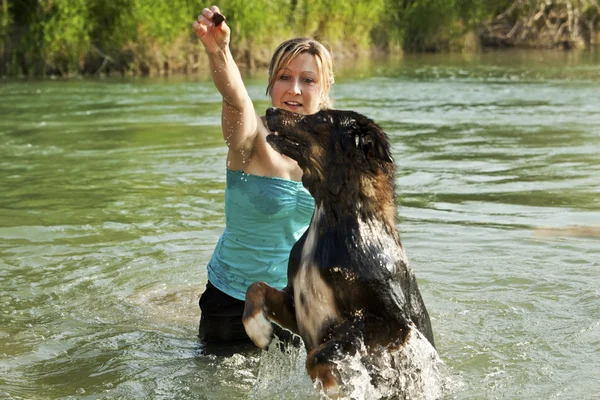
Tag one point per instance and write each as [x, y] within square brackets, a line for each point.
[264, 217]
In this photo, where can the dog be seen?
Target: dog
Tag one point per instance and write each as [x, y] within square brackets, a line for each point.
[349, 281]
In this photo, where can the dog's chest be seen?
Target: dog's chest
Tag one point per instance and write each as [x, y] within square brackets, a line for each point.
[315, 304]
[314, 299]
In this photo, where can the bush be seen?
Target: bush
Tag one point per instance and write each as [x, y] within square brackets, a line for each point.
[155, 36]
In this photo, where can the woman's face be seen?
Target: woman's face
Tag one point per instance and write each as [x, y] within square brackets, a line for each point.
[297, 87]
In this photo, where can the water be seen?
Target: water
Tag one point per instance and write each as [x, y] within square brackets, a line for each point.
[111, 201]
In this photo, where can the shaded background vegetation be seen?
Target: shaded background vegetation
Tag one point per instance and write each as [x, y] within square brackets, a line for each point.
[154, 37]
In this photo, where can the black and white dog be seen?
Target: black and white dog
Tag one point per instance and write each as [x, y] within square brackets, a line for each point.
[349, 281]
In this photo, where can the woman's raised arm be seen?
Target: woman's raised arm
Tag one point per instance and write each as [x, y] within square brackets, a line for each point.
[239, 120]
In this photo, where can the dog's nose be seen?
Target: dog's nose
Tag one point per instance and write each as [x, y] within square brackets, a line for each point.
[271, 111]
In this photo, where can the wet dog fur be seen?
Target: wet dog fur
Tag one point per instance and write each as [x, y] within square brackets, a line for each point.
[349, 281]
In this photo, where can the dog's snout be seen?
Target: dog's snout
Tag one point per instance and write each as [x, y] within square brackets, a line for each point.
[271, 111]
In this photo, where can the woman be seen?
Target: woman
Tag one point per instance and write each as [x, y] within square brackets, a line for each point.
[266, 207]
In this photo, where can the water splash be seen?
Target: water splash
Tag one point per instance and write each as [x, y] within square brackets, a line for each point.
[282, 374]
[413, 372]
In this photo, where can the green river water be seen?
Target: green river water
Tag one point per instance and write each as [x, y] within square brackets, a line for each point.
[111, 201]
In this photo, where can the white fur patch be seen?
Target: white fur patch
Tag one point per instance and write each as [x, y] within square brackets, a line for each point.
[259, 329]
[308, 250]
[319, 302]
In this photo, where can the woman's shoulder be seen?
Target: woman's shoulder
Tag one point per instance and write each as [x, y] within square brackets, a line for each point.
[263, 129]
[260, 141]
[266, 161]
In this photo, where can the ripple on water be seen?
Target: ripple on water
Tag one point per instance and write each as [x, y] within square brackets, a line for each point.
[111, 201]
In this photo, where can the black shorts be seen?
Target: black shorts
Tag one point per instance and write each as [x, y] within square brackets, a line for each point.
[221, 317]
[221, 324]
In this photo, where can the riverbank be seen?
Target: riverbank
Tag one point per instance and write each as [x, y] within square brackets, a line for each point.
[139, 38]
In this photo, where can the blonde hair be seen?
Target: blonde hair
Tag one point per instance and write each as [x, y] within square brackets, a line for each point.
[289, 49]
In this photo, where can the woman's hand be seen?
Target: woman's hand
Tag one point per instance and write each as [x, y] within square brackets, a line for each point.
[214, 38]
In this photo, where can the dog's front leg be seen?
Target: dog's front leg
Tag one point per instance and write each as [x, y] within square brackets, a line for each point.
[321, 361]
[263, 305]
[321, 368]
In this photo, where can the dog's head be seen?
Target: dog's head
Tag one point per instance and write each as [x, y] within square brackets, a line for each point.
[331, 147]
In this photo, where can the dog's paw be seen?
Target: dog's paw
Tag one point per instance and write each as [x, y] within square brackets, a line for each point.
[259, 329]
[326, 380]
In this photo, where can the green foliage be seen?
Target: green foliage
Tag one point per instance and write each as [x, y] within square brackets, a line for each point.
[333, 20]
[428, 24]
[114, 23]
[253, 25]
[344, 20]
[259, 19]
[423, 25]
[155, 36]
[66, 28]
[433, 25]
[6, 19]
[473, 12]
[161, 21]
